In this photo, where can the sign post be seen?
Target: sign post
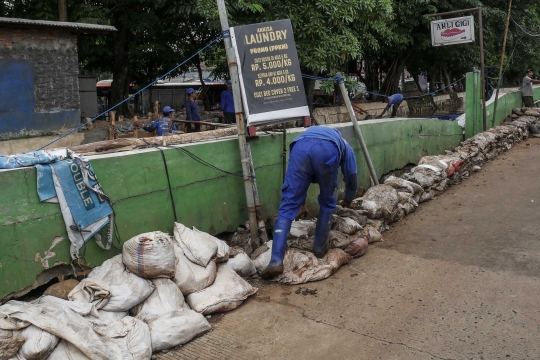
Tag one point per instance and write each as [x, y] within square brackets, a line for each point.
[461, 29]
[269, 72]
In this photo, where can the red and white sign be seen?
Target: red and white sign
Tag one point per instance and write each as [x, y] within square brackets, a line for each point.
[452, 31]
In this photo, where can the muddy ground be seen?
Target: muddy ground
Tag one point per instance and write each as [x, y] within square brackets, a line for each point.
[458, 279]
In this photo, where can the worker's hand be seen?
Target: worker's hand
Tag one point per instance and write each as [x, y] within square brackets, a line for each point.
[345, 204]
[137, 124]
[302, 212]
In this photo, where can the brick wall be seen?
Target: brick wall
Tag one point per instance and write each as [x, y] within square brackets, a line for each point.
[53, 53]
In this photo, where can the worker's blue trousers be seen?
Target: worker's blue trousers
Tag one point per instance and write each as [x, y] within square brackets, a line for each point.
[310, 161]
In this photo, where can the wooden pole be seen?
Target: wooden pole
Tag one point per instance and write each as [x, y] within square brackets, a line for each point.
[112, 122]
[135, 128]
[62, 10]
[499, 81]
[247, 161]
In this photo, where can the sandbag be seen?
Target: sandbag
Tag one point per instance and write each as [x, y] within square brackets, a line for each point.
[371, 234]
[351, 213]
[261, 256]
[105, 318]
[345, 225]
[38, 344]
[242, 265]
[177, 327]
[10, 343]
[126, 289]
[385, 196]
[165, 298]
[81, 308]
[227, 292]
[197, 248]
[131, 336]
[358, 247]
[378, 224]
[61, 289]
[66, 350]
[339, 239]
[402, 185]
[301, 266]
[242, 238]
[190, 277]
[222, 253]
[302, 229]
[95, 292]
[149, 255]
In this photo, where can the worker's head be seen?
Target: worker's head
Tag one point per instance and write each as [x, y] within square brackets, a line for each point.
[529, 73]
[167, 110]
[191, 93]
[386, 99]
[229, 85]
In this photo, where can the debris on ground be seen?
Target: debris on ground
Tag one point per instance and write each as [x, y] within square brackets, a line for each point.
[306, 291]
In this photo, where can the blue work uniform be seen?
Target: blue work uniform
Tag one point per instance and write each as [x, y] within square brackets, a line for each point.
[162, 126]
[227, 106]
[394, 100]
[192, 114]
[316, 157]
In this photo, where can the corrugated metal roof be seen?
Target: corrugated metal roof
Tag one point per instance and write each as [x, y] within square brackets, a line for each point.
[78, 27]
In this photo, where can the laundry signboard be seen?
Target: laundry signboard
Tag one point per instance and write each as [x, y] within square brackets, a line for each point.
[452, 31]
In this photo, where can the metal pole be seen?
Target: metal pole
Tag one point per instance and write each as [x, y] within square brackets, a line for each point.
[499, 81]
[261, 226]
[357, 130]
[284, 153]
[244, 146]
[482, 69]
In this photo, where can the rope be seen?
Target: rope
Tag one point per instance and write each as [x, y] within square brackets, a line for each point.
[224, 34]
[523, 29]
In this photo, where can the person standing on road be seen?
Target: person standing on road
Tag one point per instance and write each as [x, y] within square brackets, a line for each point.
[227, 105]
[315, 157]
[526, 89]
[192, 111]
[162, 125]
[394, 100]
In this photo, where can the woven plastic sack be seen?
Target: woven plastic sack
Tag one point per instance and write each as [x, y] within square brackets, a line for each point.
[190, 277]
[197, 248]
[227, 292]
[38, 345]
[358, 247]
[345, 225]
[242, 265]
[261, 256]
[10, 343]
[222, 253]
[149, 255]
[371, 234]
[165, 298]
[67, 351]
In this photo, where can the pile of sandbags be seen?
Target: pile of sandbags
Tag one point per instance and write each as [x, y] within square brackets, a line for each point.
[148, 281]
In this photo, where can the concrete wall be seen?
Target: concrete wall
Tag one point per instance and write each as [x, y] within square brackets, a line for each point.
[38, 81]
[339, 114]
[212, 201]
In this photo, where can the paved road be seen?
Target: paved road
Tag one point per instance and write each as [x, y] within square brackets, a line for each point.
[458, 279]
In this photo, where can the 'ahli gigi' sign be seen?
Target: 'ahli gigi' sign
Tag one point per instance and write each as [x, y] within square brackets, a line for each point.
[452, 31]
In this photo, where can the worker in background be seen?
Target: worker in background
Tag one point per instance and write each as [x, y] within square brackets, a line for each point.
[315, 157]
[227, 105]
[163, 125]
[526, 89]
[192, 111]
[394, 100]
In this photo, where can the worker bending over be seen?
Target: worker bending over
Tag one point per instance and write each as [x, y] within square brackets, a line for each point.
[394, 100]
[163, 125]
[315, 157]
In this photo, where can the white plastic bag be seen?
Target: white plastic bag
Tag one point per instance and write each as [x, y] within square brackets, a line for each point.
[198, 249]
[222, 247]
[127, 289]
[190, 277]
[149, 255]
[227, 292]
[242, 265]
[38, 345]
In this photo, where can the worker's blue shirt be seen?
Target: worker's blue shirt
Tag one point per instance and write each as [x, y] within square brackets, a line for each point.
[161, 125]
[347, 160]
[227, 101]
[192, 111]
[394, 99]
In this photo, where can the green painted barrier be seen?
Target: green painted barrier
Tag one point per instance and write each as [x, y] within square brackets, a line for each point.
[212, 201]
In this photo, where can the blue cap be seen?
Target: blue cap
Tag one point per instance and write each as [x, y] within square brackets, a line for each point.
[167, 109]
[228, 82]
[190, 91]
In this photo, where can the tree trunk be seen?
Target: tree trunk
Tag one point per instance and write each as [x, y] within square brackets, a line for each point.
[120, 70]
[206, 101]
[62, 10]
[448, 79]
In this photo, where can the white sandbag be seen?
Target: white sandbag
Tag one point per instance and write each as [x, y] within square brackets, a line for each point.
[372, 234]
[90, 291]
[190, 277]
[81, 308]
[198, 249]
[131, 336]
[302, 229]
[177, 327]
[227, 292]
[358, 247]
[127, 289]
[339, 239]
[67, 351]
[345, 225]
[302, 266]
[10, 343]
[242, 265]
[371, 209]
[105, 318]
[351, 213]
[165, 298]
[38, 345]
[149, 255]
[222, 253]
[385, 196]
[261, 256]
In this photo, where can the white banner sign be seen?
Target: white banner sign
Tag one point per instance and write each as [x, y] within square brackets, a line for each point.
[452, 31]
